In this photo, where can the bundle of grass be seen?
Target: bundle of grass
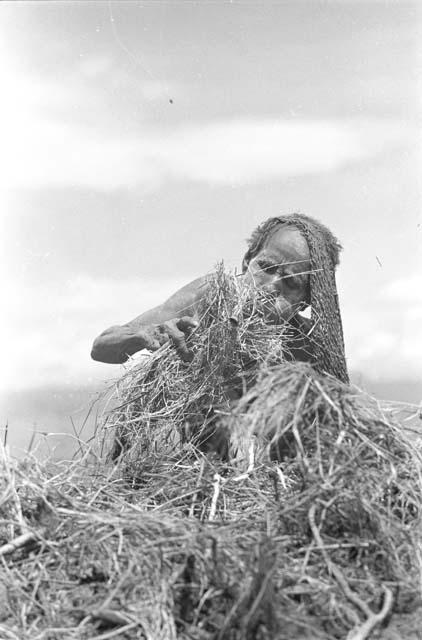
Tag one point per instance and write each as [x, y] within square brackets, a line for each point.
[85, 556]
[164, 402]
[324, 545]
[357, 499]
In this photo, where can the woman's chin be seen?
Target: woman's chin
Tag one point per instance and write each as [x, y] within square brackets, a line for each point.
[279, 311]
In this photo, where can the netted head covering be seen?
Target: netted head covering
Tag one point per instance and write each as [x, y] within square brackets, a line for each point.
[327, 333]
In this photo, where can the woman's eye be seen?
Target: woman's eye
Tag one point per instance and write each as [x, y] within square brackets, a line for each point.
[268, 268]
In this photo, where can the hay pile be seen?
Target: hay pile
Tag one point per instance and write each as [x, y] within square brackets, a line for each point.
[163, 401]
[170, 543]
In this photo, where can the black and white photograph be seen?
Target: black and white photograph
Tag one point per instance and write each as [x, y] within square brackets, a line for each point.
[211, 399]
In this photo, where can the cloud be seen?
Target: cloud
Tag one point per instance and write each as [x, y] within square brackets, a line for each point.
[95, 66]
[385, 341]
[407, 289]
[38, 151]
[46, 154]
[247, 150]
[50, 329]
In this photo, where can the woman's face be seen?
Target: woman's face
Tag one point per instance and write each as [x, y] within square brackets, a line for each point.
[281, 268]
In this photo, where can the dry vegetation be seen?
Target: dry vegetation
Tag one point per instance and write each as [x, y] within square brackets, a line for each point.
[307, 525]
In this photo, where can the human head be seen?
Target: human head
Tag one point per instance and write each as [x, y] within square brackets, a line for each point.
[281, 268]
[307, 254]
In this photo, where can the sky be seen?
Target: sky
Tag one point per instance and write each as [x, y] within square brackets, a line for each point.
[142, 142]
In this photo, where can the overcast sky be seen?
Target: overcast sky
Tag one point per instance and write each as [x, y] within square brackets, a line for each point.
[143, 141]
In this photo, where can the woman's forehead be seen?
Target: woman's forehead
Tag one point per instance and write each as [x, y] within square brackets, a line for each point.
[287, 244]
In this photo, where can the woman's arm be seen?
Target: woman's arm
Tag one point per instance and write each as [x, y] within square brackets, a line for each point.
[172, 320]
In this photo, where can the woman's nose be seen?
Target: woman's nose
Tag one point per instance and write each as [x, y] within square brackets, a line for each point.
[268, 283]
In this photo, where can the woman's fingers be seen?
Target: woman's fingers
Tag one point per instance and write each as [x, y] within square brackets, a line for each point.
[186, 324]
[175, 330]
[178, 337]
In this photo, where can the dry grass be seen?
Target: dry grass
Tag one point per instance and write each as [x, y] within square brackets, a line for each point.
[168, 542]
[165, 400]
